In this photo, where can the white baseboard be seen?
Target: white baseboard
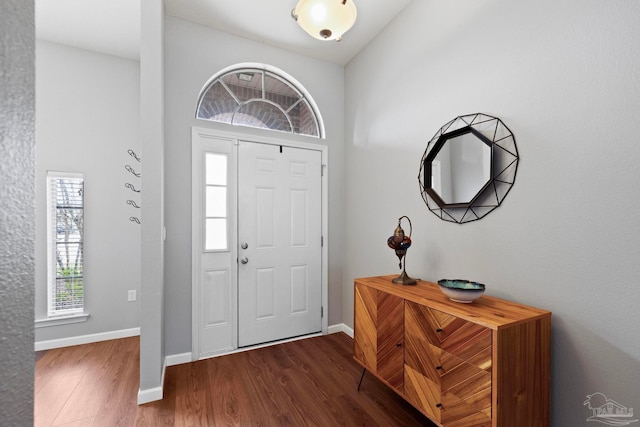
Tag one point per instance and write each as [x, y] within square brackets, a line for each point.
[149, 395]
[341, 327]
[177, 359]
[155, 393]
[86, 339]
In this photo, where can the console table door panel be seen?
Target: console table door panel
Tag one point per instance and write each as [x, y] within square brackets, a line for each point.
[391, 339]
[379, 334]
[365, 342]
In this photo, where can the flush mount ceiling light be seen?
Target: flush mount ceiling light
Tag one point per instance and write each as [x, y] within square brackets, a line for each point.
[325, 19]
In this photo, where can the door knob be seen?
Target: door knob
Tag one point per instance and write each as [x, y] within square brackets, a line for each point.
[244, 245]
[244, 260]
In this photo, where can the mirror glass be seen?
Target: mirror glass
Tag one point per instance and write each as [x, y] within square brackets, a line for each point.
[468, 168]
[461, 168]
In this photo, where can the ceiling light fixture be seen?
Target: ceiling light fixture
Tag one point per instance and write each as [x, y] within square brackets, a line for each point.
[325, 19]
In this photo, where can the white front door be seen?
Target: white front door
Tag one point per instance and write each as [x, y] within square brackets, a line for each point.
[280, 242]
[270, 199]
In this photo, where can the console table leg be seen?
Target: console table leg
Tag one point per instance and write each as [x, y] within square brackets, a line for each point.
[361, 378]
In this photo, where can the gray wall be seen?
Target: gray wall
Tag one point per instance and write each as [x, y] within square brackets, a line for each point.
[193, 54]
[564, 77]
[88, 116]
[17, 216]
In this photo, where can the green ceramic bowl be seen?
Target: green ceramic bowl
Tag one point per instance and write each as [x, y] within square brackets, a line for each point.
[460, 290]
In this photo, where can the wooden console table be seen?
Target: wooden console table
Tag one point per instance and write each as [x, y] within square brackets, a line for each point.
[462, 365]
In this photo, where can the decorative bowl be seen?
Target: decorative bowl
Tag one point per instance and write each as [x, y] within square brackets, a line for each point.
[459, 290]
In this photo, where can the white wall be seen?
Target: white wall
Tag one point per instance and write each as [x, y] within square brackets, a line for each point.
[87, 117]
[17, 216]
[564, 77]
[193, 54]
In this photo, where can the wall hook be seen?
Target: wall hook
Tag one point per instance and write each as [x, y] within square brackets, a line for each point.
[130, 169]
[131, 187]
[133, 154]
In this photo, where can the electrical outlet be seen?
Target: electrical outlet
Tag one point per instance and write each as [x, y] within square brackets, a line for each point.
[132, 295]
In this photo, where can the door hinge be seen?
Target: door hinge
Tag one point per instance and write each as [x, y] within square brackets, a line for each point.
[322, 169]
[322, 241]
[321, 311]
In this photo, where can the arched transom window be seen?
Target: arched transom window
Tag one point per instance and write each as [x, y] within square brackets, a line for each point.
[260, 97]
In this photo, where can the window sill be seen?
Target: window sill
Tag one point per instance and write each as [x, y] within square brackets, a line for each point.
[62, 320]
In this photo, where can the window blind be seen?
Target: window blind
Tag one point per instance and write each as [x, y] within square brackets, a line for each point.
[66, 243]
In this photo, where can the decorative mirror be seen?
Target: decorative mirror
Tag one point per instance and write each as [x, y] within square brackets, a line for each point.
[468, 168]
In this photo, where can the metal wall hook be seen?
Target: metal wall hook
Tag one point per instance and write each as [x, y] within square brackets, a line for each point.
[133, 154]
[131, 187]
[130, 169]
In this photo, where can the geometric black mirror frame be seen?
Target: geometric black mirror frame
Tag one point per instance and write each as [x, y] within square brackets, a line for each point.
[478, 132]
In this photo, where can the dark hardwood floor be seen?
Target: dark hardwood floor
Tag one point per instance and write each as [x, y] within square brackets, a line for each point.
[310, 382]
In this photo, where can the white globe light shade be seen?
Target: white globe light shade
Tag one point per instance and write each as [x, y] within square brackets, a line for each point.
[325, 19]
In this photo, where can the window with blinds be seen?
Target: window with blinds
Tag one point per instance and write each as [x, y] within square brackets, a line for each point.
[65, 231]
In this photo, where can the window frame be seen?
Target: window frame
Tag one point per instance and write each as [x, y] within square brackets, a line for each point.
[206, 185]
[264, 71]
[52, 181]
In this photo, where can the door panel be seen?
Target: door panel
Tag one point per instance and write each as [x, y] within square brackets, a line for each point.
[279, 220]
[265, 293]
[299, 289]
[216, 293]
[213, 265]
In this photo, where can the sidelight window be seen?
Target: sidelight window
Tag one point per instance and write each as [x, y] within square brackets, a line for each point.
[216, 202]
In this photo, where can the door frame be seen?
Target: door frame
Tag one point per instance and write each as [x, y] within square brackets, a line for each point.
[200, 133]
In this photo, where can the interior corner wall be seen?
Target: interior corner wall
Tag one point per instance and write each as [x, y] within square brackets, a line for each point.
[193, 54]
[17, 214]
[88, 117]
[563, 76]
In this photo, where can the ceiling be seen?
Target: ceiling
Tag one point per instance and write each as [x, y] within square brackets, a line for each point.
[113, 26]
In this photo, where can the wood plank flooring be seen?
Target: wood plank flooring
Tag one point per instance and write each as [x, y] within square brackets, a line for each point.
[310, 382]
